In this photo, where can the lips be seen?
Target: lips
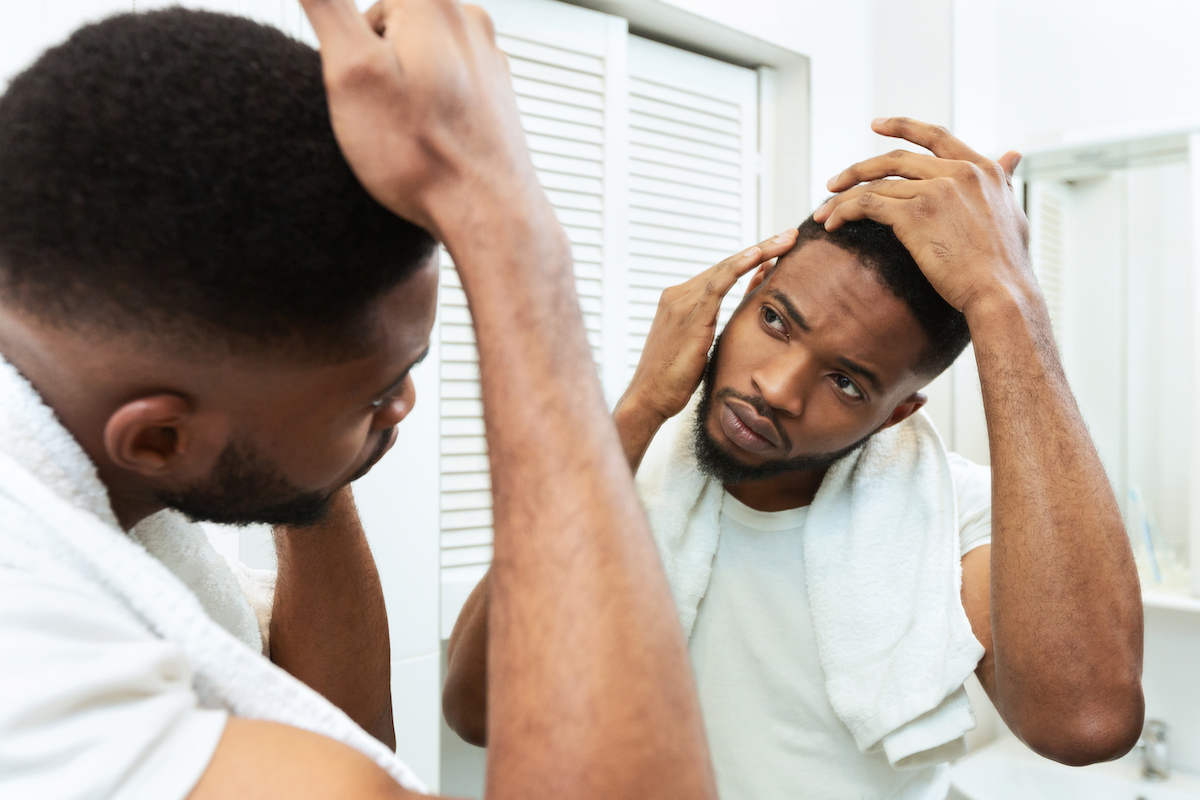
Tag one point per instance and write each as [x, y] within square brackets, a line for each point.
[746, 429]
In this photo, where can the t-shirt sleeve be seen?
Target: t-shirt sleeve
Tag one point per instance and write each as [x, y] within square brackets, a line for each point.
[973, 483]
[91, 703]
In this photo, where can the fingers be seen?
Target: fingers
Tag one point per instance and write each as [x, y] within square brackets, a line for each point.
[482, 21]
[881, 201]
[723, 276]
[1009, 162]
[376, 18]
[901, 189]
[340, 29]
[933, 138]
[898, 163]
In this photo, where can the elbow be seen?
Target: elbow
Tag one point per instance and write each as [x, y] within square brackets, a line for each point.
[466, 716]
[1092, 732]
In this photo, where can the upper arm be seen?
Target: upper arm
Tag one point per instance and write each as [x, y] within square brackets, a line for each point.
[976, 600]
[257, 760]
[464, 697]
[973, 487]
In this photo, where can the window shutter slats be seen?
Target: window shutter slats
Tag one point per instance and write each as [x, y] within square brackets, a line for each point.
[647, 154]
[692, 187]
[558, 56]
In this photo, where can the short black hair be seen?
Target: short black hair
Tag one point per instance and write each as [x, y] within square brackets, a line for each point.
[176, 173]
[880, 251]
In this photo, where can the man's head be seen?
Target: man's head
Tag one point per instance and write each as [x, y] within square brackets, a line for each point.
[191, 274]
[828, 347]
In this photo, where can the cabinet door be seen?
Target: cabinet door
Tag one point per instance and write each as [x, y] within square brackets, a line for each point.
[693, 174]
[568, 65]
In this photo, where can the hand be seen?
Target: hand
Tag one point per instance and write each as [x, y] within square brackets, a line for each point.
[956, 212]
[677, 346]
[422, 104]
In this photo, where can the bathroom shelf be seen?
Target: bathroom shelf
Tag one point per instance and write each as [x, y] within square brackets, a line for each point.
[1174, 602]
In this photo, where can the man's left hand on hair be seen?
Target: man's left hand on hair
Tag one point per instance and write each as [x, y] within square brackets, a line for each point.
[955, 211]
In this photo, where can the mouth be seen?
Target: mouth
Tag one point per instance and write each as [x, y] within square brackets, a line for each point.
[746, 429]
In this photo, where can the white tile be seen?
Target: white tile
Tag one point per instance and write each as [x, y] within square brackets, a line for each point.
[464, 766]
[1169, 681]
[398, 503]
[417, 710]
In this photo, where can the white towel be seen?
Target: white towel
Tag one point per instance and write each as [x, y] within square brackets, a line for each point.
[881, 548]
[54, 513]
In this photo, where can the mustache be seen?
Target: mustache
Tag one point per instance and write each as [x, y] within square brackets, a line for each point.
[764, 410]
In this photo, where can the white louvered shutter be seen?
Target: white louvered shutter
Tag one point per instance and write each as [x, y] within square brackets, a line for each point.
[1048, 245]
[693, 174]
[562, 60]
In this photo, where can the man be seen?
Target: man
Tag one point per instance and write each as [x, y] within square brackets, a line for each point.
[812, 526]
[202, 309]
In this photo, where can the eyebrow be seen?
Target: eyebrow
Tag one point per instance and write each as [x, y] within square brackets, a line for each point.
[400, 379]
[850, 366]
[796, 316]
[859, 369]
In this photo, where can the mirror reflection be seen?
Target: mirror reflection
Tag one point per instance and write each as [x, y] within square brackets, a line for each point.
[795, 421]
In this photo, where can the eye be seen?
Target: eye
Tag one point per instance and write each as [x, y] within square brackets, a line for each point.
[386, 399]
[773, 320]
[847, 387]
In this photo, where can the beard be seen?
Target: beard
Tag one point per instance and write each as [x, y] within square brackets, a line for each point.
[716, 461]
[245, 488]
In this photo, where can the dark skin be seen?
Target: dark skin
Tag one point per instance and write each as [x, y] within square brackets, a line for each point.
[1055, 599]
[152, 420]
[588, 666]
[849, 315]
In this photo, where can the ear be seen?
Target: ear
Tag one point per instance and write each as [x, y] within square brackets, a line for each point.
[155, 436]
[906, 409]
[760, 275]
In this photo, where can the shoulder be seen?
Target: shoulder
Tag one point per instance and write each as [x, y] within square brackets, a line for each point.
[973, 488]
[86, 688]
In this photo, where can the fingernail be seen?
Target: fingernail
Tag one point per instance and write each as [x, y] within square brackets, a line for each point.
[829, 184]
[784, 237]
[1017, 160]
[878, 121]
[752, 252]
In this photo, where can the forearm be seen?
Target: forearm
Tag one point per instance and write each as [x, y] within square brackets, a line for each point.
[587, 666]
[636, 426]
[328, 623]
[1066, 607]
[464, 697]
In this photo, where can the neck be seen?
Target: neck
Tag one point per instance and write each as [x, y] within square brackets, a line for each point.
[50, 362]
[781, 492]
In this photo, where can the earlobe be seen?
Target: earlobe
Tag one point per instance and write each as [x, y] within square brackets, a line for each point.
[911, 405]
[149, 435]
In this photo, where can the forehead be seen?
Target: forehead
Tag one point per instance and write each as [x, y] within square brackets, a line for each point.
[398, 332]
[848, 308]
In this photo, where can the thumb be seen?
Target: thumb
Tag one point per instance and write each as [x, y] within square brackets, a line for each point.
[1009, 162]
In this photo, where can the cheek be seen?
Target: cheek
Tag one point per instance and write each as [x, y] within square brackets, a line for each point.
[318, 461]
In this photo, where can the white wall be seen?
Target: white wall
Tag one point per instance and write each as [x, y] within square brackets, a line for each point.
[1034, 73]
[1103, 64]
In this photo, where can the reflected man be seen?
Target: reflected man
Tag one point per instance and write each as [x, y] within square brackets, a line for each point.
[838, 573]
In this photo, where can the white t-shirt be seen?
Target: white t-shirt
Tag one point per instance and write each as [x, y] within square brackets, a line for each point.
[92, 704]
[770, 726]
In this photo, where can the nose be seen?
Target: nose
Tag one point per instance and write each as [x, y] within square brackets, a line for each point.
[784, 382]
[397, 408]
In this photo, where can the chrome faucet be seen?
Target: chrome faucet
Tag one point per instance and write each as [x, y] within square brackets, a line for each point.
[1156, 751]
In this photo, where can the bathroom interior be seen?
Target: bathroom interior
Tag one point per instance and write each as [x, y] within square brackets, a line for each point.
[1103, 103]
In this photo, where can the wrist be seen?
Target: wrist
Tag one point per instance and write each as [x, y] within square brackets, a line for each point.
[632, 410]
[1002, 305]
